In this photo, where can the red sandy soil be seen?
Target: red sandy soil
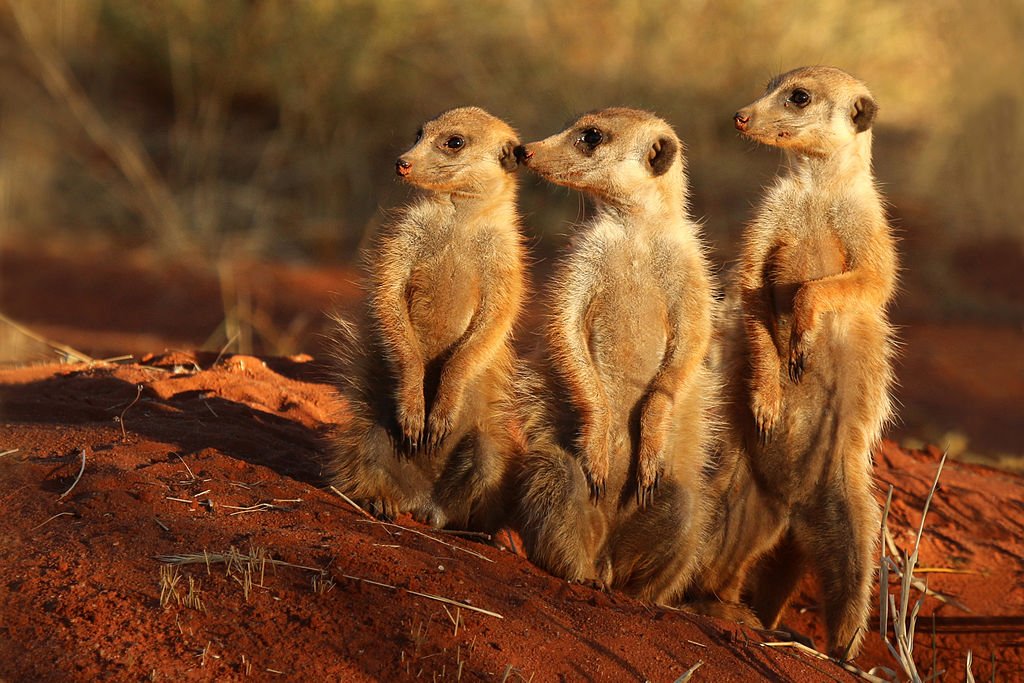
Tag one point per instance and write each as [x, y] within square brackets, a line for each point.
[964, 377]
[176, 468]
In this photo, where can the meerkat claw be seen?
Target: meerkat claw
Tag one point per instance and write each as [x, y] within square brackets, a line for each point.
[796, 366]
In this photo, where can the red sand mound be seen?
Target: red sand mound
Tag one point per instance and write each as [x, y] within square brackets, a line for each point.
[209, 457]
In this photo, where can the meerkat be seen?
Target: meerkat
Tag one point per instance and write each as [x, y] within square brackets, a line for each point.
[615, 410]
[808, 363]
[427, 371]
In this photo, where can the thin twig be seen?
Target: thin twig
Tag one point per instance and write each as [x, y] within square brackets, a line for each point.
[138, 393]
[688, 674]
[81, 452]
[117, 359]
[428, 596]
[50, 519]
[825, 658]
[187, 468]
[9, 452]
[432, 538]
[353, 504]
[465, 534]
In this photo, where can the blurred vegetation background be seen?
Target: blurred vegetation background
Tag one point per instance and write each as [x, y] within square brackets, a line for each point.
[153, 151]
[268, 127]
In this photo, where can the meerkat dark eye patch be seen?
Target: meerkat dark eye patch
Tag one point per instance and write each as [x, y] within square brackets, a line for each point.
[800, 97]
[419, 135]
[864, 111]
[661, 155]
[455, 142]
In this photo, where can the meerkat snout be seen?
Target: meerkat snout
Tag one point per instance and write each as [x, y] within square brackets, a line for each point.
[522, 154]
[402, 167]
[740, 120]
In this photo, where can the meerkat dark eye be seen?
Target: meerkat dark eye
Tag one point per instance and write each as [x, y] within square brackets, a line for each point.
[592, 137]
[419, 135]
[800, 97]
[455, 142]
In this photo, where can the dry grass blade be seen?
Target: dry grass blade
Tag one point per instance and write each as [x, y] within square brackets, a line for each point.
[169, 579]
[11, 451]
[81, 452]
[154, 199]
[233, 559]
[67, 351]
[230, 557]
[903, 617]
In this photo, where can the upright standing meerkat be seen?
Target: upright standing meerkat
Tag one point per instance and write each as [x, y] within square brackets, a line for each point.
[809, 365]
[616, 414]
[427, 372]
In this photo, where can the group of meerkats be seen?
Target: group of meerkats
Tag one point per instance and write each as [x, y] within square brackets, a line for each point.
[687, 449]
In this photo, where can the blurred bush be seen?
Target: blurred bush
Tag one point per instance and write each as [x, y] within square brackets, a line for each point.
[268, 127]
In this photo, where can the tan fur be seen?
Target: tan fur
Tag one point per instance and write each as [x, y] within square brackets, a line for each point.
[616, 409]
[429, 367]
[808, 363]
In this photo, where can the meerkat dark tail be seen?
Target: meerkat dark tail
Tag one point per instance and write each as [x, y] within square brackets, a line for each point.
[561, 531]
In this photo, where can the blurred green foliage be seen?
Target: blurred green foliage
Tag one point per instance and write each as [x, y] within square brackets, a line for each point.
[268, 127]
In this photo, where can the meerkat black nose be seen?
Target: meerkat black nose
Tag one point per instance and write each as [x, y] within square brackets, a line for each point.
[522, 154]
[740, 120]
[402, 167]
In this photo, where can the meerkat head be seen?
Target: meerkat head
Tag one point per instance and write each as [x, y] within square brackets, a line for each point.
[619, 155]
[813, 110]
[462, 150]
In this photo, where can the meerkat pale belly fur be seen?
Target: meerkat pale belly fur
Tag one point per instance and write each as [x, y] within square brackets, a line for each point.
[427, 369]
[807, 363]
[616, 406]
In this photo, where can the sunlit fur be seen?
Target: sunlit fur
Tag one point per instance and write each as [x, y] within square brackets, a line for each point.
[807, 361]
[616, 407]
[427, 369]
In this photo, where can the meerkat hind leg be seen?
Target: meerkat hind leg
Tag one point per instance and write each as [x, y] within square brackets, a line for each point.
[839, 540]
[773, 578]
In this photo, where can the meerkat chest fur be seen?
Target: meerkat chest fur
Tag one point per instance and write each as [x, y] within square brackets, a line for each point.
[628, 321]
[810, 237]
[453, 249]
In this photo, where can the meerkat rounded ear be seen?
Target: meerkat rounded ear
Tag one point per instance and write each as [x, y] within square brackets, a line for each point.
[864, 110]
[661, 155]
[507, 156]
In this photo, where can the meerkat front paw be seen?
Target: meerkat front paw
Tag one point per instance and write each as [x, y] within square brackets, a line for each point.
[799, 350]
[382, 508]
[411, 416]
[440, 423]
[431, 515]
[594, 461]
[801, 333]
[650, 467]
[765, 404]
